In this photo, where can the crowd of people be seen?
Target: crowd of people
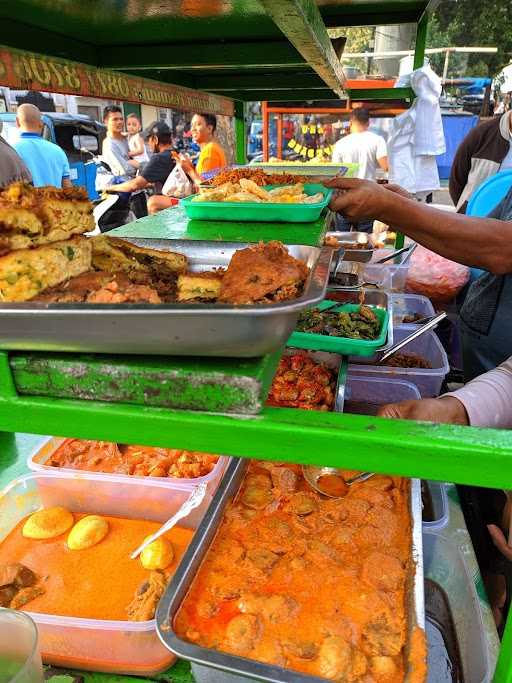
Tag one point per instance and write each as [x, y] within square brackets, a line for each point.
[139, 159]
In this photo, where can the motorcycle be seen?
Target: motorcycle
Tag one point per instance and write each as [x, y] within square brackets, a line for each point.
[115, 208]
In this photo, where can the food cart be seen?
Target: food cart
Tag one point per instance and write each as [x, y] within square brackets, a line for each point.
[116, 51]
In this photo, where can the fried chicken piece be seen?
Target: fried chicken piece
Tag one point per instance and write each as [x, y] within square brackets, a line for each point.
[259, 271]
[147, 597]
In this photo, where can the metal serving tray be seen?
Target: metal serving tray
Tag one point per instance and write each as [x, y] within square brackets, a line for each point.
[211, 666]
[347, 238]
[168, 329]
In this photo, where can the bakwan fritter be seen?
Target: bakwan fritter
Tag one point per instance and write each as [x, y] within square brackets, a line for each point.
[30, 217]
[310, 584]
[264, 273]
[201, 287]
[26, 273]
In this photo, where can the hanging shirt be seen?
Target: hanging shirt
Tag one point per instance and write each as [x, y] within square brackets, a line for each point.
[46, 161]
[212, 156]
[363, 149]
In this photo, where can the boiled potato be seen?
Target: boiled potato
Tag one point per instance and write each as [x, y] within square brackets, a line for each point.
[89, 531]
[48, 523]
[157, 555]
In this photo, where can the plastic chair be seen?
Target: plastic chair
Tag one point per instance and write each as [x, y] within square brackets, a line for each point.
[483, 200]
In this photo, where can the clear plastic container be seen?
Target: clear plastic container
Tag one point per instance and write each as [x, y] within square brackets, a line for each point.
[428, 381]
[36, 463]
[410, 304]
[365, 395]
[126, 647]
[444, 563]
[438, 500]
[387, 275]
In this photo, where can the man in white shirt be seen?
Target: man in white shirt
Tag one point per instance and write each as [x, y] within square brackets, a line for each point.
[361, 147]
[115, 149]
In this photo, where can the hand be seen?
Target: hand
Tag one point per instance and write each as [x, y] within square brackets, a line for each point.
[361, 199]
[186, 165]
[447, 410]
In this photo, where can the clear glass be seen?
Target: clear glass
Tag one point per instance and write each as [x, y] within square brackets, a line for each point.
[20, 660]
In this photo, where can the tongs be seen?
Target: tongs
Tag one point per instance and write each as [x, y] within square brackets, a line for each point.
[394, 254]
[432, 322]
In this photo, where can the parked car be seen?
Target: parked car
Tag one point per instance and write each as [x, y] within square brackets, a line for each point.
[73, 133]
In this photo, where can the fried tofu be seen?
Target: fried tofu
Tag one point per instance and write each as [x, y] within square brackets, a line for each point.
[27, 272]
[199, 286]
[263, 273]
[115, 255]
[31, 217]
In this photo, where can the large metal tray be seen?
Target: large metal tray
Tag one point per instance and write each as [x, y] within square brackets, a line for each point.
[211, 666]
[345, 239]
[168, 329]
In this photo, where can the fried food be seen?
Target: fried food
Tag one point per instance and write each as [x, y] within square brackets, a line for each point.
[115, 255]
[250, 186]
[31, 217]
[257, 175]
[302, 582]
[199, 286]
[27, 272]
[18, 585]
[300, 382]
[263, 273]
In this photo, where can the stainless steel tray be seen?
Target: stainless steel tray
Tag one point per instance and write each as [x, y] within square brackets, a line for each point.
[335, 361]
[211, 666]
[168, 329]
[347, 238]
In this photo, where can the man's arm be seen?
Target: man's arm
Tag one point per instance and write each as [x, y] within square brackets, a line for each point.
[66, 182]
[484, 402]
[482, 242]
[66, 171]
[138, 183]
[383, 163]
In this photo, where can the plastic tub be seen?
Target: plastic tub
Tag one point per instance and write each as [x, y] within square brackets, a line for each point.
[36, 463]
[386, 275]
[428, 381]
[438, 500]
[444, 563]
[365, 395]
[260, 212]
[126, 647]
[344, 345]
[410, 304]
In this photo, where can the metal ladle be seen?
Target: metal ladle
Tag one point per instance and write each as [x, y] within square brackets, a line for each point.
[312, 475]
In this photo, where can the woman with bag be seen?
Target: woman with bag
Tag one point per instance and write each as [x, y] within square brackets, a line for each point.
[211, 157]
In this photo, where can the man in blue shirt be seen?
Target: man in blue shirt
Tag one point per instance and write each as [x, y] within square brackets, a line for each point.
[46, 161]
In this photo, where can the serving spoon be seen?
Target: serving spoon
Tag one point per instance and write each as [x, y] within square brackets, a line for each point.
[313, 474]
[194, 500]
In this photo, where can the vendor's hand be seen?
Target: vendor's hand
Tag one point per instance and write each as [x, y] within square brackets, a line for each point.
[499, 540]
[361, 199]
[447, 410]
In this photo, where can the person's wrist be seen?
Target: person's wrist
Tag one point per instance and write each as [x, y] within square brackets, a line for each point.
[455, 410]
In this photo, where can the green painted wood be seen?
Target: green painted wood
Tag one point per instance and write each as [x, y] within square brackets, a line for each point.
[302, 23]
[174, 224]
[440, 452]
[218, 385]
[375, 94]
